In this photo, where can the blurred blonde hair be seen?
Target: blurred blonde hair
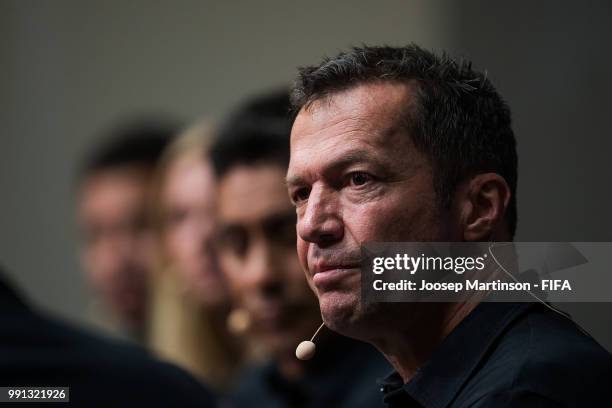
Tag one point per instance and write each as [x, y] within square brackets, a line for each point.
[179, 330]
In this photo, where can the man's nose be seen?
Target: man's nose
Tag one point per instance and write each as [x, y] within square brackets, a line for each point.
[321, 221]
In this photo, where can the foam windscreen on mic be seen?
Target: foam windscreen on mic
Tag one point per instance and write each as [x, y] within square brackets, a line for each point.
[307, 349]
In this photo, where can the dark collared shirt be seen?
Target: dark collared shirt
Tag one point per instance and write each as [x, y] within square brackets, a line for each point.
[509, 355]
[342, 374]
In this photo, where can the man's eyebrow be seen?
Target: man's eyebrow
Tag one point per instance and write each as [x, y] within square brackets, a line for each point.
[353, 157]
[347, 159]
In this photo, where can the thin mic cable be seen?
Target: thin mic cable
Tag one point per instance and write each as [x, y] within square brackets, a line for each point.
[534, 295]
[317, 332]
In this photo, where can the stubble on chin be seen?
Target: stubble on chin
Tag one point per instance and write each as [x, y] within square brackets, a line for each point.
[347, 315]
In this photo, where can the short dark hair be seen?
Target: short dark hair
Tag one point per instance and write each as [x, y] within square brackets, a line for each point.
[459, 120]
[131, 142]
[255, 133]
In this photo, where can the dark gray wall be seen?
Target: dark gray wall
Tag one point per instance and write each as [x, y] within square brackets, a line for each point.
[552, 62]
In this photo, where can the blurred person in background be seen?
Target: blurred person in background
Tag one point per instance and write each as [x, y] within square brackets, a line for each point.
[257, 252]
[117, 245]
[190, 300]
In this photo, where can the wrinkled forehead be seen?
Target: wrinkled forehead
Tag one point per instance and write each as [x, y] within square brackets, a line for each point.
[366, 120]
[360, 105]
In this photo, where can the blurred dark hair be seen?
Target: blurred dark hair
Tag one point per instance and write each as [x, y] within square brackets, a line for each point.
[458, 119]
[131, 142]
[255, 133]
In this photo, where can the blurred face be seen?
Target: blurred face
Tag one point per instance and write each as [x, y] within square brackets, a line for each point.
[188, 202]
[257, 252]
[355, 177]
[117, 242]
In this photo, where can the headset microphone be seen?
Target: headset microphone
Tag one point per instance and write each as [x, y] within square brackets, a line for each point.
[307, 349]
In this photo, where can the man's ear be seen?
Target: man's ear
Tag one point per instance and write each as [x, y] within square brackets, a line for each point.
[482, 202]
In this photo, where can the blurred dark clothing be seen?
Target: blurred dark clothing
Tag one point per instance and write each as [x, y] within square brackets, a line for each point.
[36, 350]
[509, 355]
[342, 374]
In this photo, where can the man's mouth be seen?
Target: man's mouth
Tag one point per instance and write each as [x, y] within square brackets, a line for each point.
[331, 276]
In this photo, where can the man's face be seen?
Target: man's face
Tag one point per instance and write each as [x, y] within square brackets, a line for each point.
[356, 177]
[117, 245]
[257, 254]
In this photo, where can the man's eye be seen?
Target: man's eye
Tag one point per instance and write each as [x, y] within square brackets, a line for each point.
[360, 178]
[300, 195]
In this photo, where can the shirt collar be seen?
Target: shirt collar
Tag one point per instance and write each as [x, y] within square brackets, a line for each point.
[325, 375]
[438, 382]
